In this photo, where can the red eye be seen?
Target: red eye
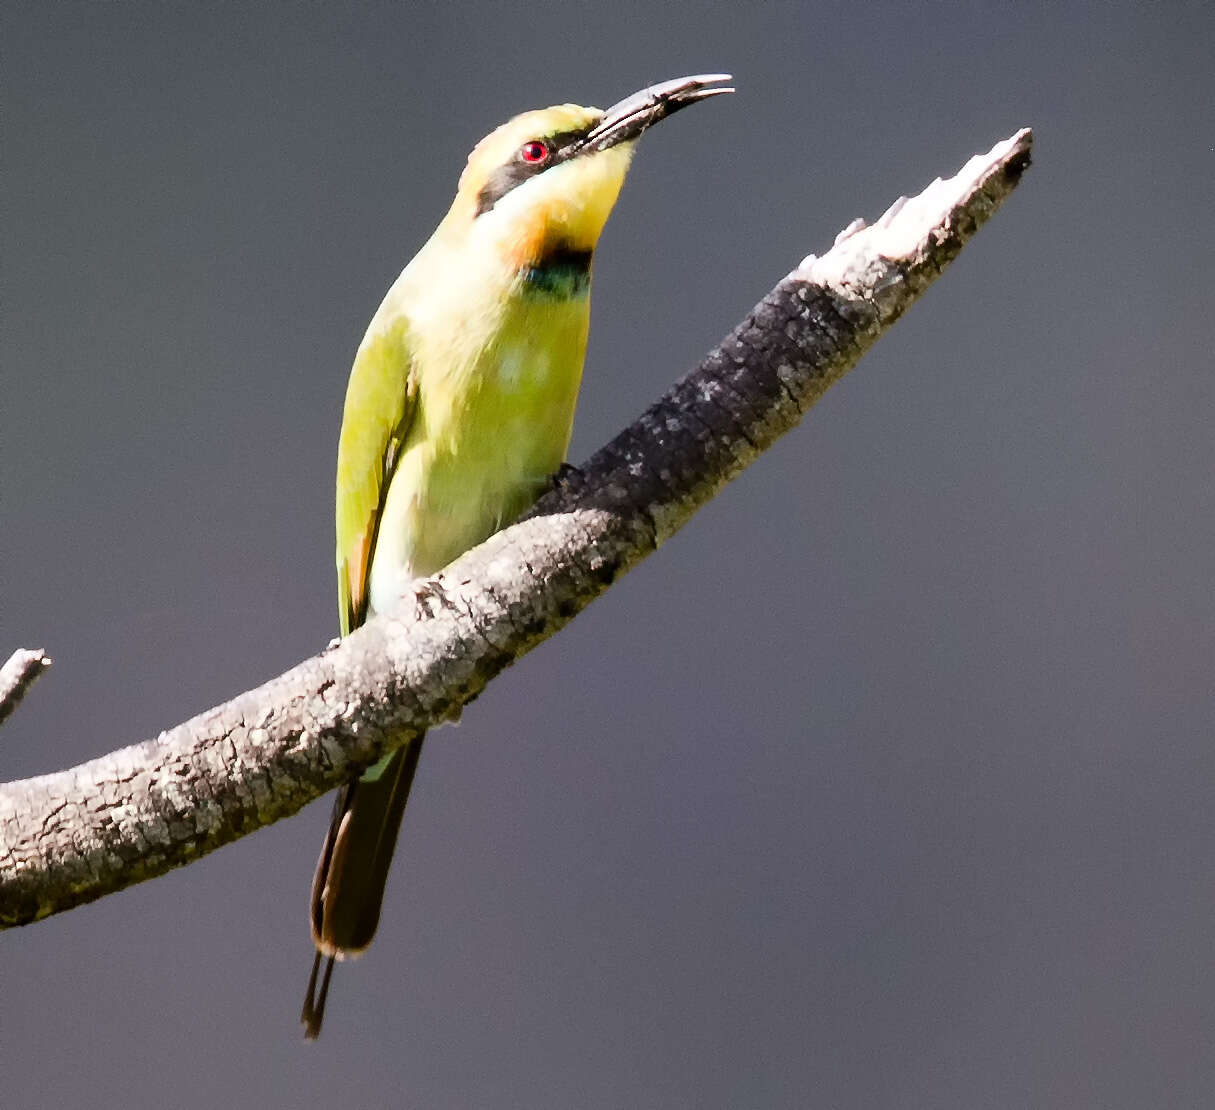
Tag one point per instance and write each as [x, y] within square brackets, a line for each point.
[533, 152]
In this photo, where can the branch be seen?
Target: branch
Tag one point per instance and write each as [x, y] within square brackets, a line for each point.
[23, 669]
[69, 837]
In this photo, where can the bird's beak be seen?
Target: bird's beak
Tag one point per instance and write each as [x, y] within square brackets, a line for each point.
[628, 119]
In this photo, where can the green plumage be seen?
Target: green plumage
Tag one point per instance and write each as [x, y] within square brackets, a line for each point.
[459, 407]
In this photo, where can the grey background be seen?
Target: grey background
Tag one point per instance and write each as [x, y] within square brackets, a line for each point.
[888, 783]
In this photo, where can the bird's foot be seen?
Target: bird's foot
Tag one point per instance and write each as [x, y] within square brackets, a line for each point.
[566, 478]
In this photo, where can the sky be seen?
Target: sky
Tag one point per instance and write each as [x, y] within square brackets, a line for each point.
[885, 783]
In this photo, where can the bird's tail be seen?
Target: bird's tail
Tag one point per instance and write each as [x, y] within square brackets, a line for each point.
[350, 875]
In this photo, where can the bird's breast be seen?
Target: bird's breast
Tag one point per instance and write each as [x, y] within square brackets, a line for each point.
[496, 398]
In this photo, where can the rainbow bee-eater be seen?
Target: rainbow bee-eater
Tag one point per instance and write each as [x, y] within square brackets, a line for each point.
[459, 409]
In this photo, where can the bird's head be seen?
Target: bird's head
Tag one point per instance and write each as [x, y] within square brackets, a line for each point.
[546, 181]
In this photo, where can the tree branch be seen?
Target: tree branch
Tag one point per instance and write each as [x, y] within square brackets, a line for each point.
[23, 669]
[69, 837]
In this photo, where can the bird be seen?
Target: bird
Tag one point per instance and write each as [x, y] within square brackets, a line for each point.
[457, 414]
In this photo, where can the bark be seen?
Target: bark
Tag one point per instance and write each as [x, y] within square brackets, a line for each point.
[72, 836]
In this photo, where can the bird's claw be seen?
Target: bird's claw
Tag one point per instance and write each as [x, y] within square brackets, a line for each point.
[566, 477]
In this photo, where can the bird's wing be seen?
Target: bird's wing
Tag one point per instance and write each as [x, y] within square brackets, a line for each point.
[380, 403]
[349, 882]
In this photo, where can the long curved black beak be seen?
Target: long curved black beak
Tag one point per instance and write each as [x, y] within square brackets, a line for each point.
[628, 119]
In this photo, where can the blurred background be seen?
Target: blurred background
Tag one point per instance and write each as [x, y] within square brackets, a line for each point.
[886, 783]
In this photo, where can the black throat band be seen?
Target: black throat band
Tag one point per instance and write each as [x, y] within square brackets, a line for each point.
[560, 272]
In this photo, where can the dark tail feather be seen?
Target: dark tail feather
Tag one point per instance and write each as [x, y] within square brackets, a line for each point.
[350, 875]
[314, 1004]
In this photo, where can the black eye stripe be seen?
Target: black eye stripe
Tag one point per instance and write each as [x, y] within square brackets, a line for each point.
[563, 145]
[503, 180]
